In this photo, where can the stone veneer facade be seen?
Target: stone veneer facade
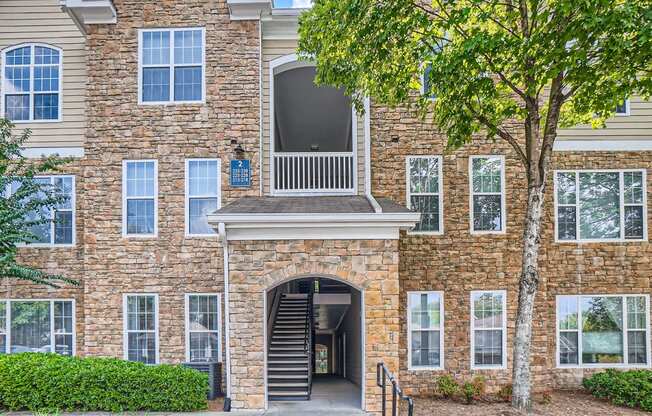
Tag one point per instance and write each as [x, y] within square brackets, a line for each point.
[257, 266]
[458, 262]
[171, 264]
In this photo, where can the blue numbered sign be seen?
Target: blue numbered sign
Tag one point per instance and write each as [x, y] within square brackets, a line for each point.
[240, 173]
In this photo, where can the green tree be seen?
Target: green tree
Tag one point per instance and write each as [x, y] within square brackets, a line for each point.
[24, 203]
[516, 70]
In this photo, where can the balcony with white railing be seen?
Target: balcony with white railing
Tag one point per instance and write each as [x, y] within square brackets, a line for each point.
[314, 172]
[313, 135]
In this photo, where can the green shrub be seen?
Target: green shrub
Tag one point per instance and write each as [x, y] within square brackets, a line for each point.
[473, 389]
[624, 388]
[468, 390]
[505, 393]
[53, 382]
[479, 384]
[447, 386]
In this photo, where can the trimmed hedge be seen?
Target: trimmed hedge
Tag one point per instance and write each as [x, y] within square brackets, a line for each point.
[631, 388]
[36, 381]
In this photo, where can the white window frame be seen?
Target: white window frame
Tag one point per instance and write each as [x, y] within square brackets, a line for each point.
[422, 90]
[503, 205]
[503, 328]
[622, 206]
[8, 302]
[171, 66]
[3, 88]
[73, 209]
[627, 110]
[408, 193]
[125, 325]
[441, 365]
[125, 234]
[624, 331]
[218, 195]
[219, 323]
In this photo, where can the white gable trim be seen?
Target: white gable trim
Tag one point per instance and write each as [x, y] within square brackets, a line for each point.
[602, 145]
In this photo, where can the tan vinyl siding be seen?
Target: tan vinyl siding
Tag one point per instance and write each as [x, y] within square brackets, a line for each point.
[273, 49]
[42, 21]
[636, 126]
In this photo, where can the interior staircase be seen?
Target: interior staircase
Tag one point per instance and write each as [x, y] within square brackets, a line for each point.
[289, 375]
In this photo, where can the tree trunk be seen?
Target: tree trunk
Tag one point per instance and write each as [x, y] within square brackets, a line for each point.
[528, 284]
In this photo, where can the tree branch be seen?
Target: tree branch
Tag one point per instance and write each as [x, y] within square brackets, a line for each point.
[555, 101]
[504, 134]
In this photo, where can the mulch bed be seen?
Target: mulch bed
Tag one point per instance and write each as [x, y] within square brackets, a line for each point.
[562, 404]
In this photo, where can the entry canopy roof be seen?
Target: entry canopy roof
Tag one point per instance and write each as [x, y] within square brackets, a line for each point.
[312, 217]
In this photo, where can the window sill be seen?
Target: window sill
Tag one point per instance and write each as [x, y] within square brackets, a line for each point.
[608, 241]
[421, 369]
[171, 103]
[600, 366]
[488, 367]
[425, 233]
[43, 245]
[17, 122]
[201, 236]
[140, 236]
[481, 233]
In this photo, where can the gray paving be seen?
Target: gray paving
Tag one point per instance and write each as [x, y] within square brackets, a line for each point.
[330, 396]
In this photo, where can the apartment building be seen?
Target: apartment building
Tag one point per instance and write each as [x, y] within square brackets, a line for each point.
[225, 208]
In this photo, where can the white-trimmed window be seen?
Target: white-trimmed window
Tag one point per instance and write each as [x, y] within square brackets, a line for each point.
[140, 198]
[424, 190]
[425, 330]
[60, 229]
[203, 323]
[202, 194]
[488, 329]
[487, 175]
[35, 325]
[171, 66]
[622, 109]
[426, 82]
[140, 313]
[603, 331]
[31, 87]
[607, 205]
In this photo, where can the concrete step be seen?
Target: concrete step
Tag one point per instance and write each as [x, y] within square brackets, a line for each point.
[287, 393]
[287, 376]
[298, 342]
[287, 384]
[288, 370]
[296, 361]
[287, 348]
[287, 355]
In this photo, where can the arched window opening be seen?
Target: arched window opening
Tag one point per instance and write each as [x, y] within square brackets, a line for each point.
[31, 87]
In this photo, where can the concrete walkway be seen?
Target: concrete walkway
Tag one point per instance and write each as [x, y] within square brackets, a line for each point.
[330, 396]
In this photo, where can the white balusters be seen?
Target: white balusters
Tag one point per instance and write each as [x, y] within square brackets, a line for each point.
[312, 172]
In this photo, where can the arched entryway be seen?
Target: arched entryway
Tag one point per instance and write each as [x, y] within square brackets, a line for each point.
[256, 266]
[314, 345]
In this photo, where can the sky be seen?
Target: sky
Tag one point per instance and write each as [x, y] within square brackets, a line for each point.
[292, 4]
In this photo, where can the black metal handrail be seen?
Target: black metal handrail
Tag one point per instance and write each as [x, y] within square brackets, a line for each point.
[308, 341]
[382, 374]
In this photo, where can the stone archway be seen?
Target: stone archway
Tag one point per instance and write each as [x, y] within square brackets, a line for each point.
[255, 266]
